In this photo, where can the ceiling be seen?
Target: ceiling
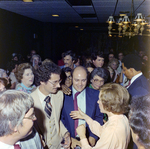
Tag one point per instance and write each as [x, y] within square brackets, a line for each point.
[75, 11]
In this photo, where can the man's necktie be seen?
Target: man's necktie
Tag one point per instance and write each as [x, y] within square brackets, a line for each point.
[76, 108]
[16, 146]
[128, 84]
[48, 108]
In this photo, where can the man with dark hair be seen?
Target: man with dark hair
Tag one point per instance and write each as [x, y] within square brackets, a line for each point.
[48, 103]
[69, 58]
[110, 56]
[138, 85]
[86, 99]
[98, 77]
[97, 59]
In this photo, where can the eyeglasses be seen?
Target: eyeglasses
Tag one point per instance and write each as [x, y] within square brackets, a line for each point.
[55, 82]
[32, 117]
[98, 81]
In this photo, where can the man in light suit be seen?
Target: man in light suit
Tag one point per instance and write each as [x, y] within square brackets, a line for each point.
[49, 125]
[86, 101]
[132, 66]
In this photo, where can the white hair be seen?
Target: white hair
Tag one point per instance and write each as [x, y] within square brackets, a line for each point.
[13, 107]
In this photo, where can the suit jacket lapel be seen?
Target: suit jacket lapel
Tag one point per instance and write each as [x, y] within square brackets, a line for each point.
[39, 111]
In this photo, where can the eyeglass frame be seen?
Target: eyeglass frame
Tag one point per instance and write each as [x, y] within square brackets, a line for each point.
[56, 82]
[99, 81]
[31, 117]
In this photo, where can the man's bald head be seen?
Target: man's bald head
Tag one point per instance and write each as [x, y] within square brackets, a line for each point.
[79, 69]
[79, 76]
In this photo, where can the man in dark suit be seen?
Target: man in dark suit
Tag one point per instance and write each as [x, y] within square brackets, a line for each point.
[138, 84]
[132, 66]
[86, 101]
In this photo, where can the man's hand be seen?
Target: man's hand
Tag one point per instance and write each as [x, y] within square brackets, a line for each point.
[67, 140]
[81, 131]
[66, 90]
[75, 143]
[92, 141]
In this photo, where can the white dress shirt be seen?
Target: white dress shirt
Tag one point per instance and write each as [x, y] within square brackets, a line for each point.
[81, 102]
[134, 78]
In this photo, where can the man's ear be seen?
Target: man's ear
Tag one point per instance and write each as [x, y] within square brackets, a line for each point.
[42, 82]
[132, 70]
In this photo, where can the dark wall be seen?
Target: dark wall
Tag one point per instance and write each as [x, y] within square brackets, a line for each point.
[51, 39]
[16, 35]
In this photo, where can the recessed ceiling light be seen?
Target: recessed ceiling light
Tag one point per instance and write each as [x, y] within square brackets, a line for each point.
[55, 15]
[76, 26]
[28, 0]
[81, 29]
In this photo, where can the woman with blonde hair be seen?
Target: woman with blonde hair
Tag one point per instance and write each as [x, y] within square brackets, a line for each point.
[115, 133]
[114, 63]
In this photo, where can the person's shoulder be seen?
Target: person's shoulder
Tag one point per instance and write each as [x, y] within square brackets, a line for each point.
[92, 94]
[118, 123]
[141, 81]
[19, 87]
[91, 90]
[34, 91]
[62, 66]
[58, 94]
[142, 77]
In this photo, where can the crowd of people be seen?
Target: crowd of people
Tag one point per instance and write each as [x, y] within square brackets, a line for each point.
[94, 101]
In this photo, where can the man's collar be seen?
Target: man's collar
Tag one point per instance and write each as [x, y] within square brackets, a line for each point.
[135, 77]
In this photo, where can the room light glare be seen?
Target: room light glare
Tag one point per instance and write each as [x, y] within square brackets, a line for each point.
[55, 15]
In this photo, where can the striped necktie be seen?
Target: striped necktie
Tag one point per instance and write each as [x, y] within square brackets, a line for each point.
[48, 108]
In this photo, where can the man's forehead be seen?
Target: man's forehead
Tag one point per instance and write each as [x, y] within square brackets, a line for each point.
[54, 76]
[79, 75]
[98, 57]
[68, 57]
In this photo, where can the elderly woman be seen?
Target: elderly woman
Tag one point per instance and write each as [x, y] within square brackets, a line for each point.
[115, 133]
[139, 119]
[25, 77]
[99, 76]
[114, 63]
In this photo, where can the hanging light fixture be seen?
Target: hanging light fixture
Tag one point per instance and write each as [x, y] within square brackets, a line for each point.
[110, 21]
[128, 27]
